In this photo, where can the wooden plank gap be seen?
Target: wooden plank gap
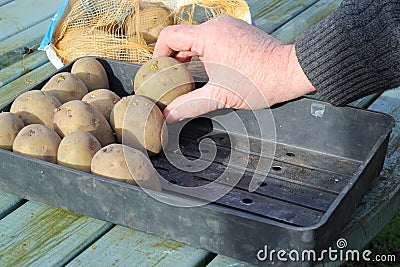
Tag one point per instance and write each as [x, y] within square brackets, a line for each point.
[23, 83]
[27, 64]
[89, 244]
[289, 31]
[9, 203]
[221, 260]
[271, 15]
[207, 259]
[366, 101]
[25, 37]
[5, 2]
[41, 235]
[19, 53]
[127, 247]
[20, 15]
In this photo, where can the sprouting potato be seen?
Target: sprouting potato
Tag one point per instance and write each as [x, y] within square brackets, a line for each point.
[138, 122]
[152, 19]
[126, 164]
[103, 100]
[77, 149]
[11, 124]
[91, 72]
[35, 107]
[77, 115]
[163, 79]
[65, 86]
[37, 141]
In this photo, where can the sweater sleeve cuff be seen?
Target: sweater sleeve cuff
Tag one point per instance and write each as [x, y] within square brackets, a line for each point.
[337, 56]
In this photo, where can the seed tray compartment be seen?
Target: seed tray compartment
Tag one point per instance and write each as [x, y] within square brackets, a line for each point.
[325, 160]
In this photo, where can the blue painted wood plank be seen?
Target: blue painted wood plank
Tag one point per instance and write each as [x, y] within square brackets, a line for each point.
[16, 87]
[126, 247]
[8, 203]
[270, 15]
[21, 14]
[365, 101]
[228, 262]
[16, 70]
[4, 2]
[293, 28]
[40, 235]
[26, 36]
[12, 49]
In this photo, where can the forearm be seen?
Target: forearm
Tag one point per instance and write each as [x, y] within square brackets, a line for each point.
[353, 52]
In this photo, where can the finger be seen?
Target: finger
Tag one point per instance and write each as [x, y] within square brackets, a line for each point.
[195, 103]
[184, 56]
[175, 38]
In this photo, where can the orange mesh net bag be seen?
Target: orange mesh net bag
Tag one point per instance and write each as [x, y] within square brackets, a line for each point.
[127, 30]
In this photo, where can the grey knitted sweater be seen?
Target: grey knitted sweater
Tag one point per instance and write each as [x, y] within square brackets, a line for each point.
[353, 52]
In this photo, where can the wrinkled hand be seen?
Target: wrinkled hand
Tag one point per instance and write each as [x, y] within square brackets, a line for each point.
[247, 68]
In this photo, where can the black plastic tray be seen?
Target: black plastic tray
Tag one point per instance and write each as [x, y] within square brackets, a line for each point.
[322, 166]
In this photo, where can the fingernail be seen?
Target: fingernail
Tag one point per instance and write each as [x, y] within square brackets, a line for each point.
[172, 116]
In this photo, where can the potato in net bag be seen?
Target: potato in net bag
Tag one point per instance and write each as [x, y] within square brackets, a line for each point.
[127, 30]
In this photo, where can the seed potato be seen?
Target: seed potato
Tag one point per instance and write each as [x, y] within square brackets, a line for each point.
[37, 141]
[138, 123]
[163, 79]
[126, 164]
[35, 107]
[103, 100]
[91, 72]
[77, 149]
[152, 19]
[66, 87]
[11, 124]
[77, 115]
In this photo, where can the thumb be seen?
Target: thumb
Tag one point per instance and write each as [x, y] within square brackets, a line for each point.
[195, 103]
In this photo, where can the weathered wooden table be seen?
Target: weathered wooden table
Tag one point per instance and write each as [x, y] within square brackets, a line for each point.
[35, 234]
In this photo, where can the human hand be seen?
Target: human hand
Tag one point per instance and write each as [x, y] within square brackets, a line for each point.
[247, 68]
